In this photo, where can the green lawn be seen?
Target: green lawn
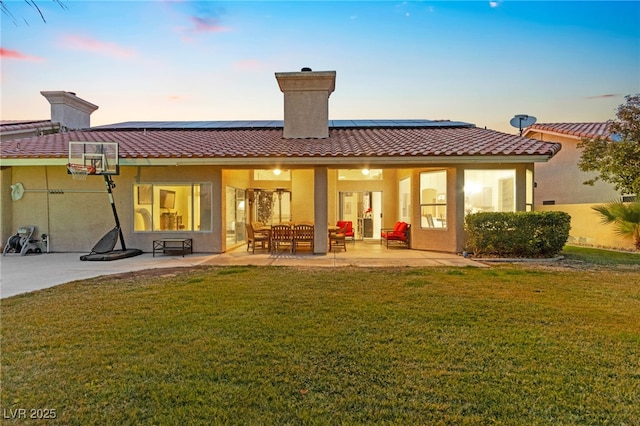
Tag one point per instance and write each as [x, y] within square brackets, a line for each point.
[601, 257]
[509, 344]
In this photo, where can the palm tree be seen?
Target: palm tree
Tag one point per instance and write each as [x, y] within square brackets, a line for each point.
[625, 218]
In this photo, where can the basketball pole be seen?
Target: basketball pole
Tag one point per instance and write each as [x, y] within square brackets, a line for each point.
[109, 184]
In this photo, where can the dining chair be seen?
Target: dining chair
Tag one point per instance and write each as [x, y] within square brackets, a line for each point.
[302, 234]
[281, 235]
[338, 239]
[254, 238]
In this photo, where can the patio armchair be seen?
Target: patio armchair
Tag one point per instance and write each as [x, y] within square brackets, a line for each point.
[400, 234]
[338, 238]
[302, 234]
[256, 238]
[260, 228]
[348, 229]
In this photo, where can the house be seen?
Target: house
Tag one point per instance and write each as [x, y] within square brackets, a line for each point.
[560, 183]
[68, 112]
[205, 180]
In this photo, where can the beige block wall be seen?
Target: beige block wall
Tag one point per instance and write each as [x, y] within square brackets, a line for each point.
[586, 228]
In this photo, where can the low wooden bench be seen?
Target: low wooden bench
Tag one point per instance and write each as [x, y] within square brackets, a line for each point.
[177, 245]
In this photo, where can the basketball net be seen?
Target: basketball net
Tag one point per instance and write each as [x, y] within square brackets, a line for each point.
[80, 172]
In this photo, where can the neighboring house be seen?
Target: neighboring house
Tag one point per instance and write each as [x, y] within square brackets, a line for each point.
[18, 129]
[68, 112]
[560, 183]
[205, 180]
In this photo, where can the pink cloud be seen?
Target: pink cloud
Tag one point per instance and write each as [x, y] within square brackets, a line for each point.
[89, 44]
[207, 25]
[14, 54]
[249, 65]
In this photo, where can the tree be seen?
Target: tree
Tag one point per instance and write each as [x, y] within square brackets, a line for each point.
[616, 157]
[6, 11]
[624, 216]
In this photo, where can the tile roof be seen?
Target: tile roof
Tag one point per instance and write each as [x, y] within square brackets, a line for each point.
[580, 130]
[7, 126]
[446, 143]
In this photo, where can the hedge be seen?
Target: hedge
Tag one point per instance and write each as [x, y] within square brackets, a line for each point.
[520, 234]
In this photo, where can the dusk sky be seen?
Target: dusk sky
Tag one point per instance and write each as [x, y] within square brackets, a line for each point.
[476, 61]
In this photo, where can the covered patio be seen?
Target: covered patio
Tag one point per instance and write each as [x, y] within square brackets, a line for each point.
[367, 253]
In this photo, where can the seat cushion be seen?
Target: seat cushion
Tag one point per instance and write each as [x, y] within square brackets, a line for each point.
[399, 232]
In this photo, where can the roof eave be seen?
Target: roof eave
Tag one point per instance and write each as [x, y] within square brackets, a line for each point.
[299, 161]
[337, 161]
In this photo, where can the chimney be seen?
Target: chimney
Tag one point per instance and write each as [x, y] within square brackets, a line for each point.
[306, 102]
[69, 110]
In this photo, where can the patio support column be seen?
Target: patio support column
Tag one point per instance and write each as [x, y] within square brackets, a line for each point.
[320, 210]
[458, 207]
[217, 209]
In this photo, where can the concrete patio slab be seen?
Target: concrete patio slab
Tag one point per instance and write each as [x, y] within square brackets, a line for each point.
[22, 274]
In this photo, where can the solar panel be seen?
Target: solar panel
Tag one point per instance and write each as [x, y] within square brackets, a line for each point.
[274, 124]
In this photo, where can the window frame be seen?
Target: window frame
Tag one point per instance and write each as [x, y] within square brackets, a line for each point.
[146, 205]
[432, 221]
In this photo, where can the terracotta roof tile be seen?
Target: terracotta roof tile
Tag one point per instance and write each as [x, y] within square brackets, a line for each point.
[11, 126]
[581, 130]
[256, 143]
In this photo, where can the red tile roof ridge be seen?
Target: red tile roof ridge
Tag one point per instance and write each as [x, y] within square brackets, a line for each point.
[579, 129]
[12, 122]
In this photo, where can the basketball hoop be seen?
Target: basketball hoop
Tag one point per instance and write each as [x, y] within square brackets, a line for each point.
[80, 172]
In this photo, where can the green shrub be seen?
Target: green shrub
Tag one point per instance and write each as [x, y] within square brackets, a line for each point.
[520, 234]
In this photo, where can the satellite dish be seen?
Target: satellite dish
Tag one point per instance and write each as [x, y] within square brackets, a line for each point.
[17, 191]
[520, 121]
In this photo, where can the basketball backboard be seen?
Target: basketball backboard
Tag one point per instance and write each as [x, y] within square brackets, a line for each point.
[101, 158]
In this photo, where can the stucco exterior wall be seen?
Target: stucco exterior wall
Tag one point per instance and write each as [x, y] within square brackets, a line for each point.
[73, 219]
[206, 241]
[302, 200]
[6, 208]
[560, 180]
[586, 228]
[76, 214]
[560, 187]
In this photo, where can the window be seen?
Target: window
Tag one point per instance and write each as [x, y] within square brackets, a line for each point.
[235, 215]
[489, 191]
[404, 199]
[271, 206]
[360, 174]
[272, 174]
[529, 189]
[433, 199]
[172, 207]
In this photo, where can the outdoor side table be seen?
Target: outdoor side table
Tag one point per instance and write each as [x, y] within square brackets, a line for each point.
[180, 245]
